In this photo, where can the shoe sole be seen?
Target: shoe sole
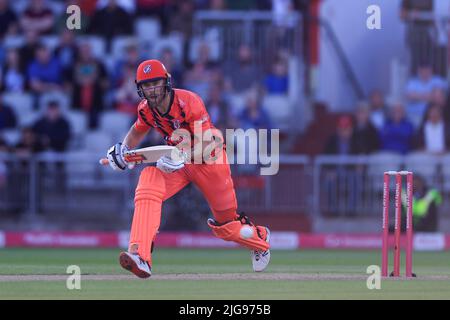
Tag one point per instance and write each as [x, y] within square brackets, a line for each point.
[128, 264]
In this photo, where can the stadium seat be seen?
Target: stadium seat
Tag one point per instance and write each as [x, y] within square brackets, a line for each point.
[13, 42]
[423, 164]
[119, 44]
[174, 42]
[11, 136]
[97, 142]
[22, 104]
[62, 99]
[147, 29]
[78, 126]
[115, 124]
[98, 45]
[50, 42]
[380, 162]
[279, 109]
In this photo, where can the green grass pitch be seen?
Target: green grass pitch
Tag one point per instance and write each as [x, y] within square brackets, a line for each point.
[291, 275]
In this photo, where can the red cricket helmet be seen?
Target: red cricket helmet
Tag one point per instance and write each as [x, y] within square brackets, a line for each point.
[152, 70]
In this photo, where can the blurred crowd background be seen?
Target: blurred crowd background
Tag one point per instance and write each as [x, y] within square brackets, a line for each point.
[67, 95]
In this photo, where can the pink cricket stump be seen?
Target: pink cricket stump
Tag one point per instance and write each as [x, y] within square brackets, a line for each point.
[398, 220]
[385, 236]
[409, 226]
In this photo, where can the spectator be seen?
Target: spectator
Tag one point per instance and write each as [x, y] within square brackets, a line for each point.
[8, 19]
[169, 61]
[28, 144]
[44, 72]
[254, 116]
[398, 131]
[12, 78]
[439, 98]
[276, 82]
[37, 17]
[66, 51]
[219, 110]
[200, 76]
[418, 91]
[132, 59]
[242, 74]
[434, 136]
[90, 82]
[7, 117]
[377, 109]
[127, 98]
[53, 130]
[111, 21]
[217, 5]
[341, 142]
[28, 50]
[365, 136]
[182, 22]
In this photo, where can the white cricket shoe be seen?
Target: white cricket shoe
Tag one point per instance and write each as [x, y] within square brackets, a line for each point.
[260, 259]
[135, 264]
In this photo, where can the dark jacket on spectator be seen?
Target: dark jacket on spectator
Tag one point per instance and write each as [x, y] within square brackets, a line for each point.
[57, 133]
[365, 140]
[397, 137]
[7, 117]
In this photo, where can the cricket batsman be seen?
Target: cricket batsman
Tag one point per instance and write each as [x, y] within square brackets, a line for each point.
[167, 109]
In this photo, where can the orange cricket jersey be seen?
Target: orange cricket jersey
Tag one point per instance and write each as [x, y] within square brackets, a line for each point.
[185, 109]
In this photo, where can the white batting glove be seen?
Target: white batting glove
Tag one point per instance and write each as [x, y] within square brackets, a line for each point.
[169, 165]
[116, 158]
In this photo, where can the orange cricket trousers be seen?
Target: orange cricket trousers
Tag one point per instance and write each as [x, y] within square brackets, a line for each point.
[155, 186]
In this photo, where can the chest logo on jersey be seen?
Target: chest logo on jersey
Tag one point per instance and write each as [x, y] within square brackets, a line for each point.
[176, 123]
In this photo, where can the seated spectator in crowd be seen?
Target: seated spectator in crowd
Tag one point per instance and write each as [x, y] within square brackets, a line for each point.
[276, 82]
[44, 72]
[168, 59]
[254, 116]
[365, 136]
[200, 76]
[241, 74]
[66, 51]
[127, 98]
[439, 98]
[28, 51]
[377, 109]
[28, 144]
[12, 78]
[418, 92]
[218, 5]
[8, 19]
[341, 143]
[37, 17]
[53, 130]
[397, 133]
[90, 82]
[434, 136]
[7, 117]
[131, 59]
[111, 21]
[219, 110]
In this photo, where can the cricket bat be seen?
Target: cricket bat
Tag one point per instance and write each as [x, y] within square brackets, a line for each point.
[146, 155]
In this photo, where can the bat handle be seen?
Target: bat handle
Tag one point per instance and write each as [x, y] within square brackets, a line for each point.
[103, 161]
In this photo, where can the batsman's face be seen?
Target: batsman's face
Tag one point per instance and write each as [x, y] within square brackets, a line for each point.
[154, 92]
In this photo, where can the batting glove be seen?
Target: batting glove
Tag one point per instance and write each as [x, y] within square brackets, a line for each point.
[169, 165]
[116, 158]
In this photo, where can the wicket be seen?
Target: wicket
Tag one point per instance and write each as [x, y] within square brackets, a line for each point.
[397, 229]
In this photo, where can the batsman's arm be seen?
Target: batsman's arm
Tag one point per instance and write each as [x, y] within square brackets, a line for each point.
[134, 137]
[131, 140]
